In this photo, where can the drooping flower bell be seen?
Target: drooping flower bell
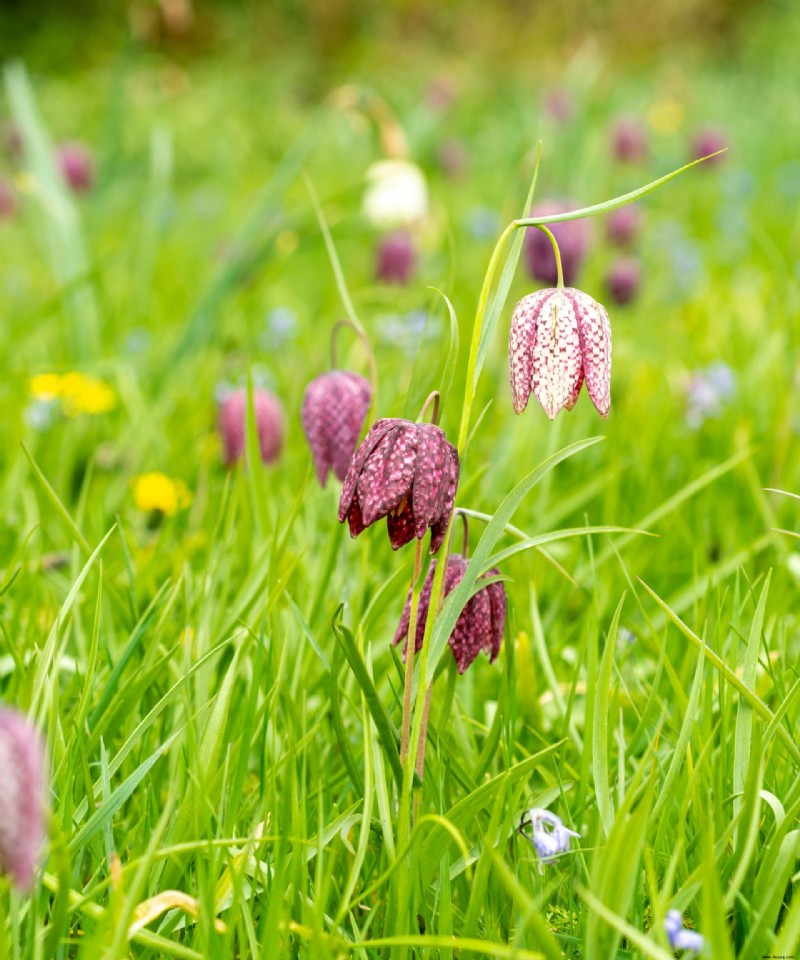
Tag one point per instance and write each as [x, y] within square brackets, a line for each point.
[480, 625]
[572, 237]
[624, 225]
[23, 804]
[548, 835]
[76, 165]
[396, 195]
[679, 937]
[558, 339]
[396, 258]
[629, 141]
[406, 472]
[624, 279]
[335, 406]
[709, 140]
[232, 418]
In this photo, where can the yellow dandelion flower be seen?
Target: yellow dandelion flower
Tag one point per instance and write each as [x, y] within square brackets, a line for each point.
[82, 394]
[156, 491]
[45, 386]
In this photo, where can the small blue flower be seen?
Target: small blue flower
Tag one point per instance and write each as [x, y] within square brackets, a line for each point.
[548, 835]
[679, 937]
[483, 223]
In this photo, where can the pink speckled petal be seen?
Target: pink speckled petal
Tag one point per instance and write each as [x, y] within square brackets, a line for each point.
[346, 412]
[385, 481]
[430, 476]
[520, 346]
[444, 507]
[557, 359]
[376, 433]
[22, 797]
[594, 331]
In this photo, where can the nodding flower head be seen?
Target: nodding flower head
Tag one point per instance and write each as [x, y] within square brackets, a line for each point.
[624, 225]
[396, 195]
[232, 417]
[624, 280]
[546, 832]
[629, 141]
[709, 140]
[335, 407]
[480, 626]
[396, 258]
[558, 339]
[22, 797]
[406, 472]
[572, 237]
[77, 166]
[679, 937]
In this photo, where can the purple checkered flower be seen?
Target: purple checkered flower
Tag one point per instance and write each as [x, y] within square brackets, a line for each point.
[232, 418]
[629, 141]
[406, 472]
[679, 937]
[396, 258]
[77, 166]
[624, 279]
[624, 225]
[572, 237]
[22, 798]
[480, 626]
[558, 339]
[335, 407]
[548, 835]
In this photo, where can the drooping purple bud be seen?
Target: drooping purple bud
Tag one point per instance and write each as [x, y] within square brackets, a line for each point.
[572, 238]
[77, 166]
[452, 157]
[8, 201]
[232, 419]
[709, 140]
[480, 625]
[396, 258]
[629, 140]
[624, 225]
[624, 279]
[335, 407]
[558, 339]
[559, 105]
[406, 472]
[23, 804]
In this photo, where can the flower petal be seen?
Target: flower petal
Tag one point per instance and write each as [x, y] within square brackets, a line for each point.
[520, 346]
[594, 331]
[430, 476]
[557, 358]
[376, 433]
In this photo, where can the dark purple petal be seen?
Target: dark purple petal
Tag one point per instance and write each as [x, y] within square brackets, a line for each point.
[396, 258]
[401, 525]
[573, 239]
[376, 433]
[429, 475]
[472, 630]
[497, 600]
[385, 482]
[449, 488]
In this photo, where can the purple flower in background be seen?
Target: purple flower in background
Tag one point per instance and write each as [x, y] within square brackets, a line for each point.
[559, 105]
[707, 392]
[232, 417]
[679, 937]
[558, 339]
[406, 472]
[709, 140]
[396, 258]
[76, 165]
[8, 202]
[572, 237]
[335, 406]
[624, 279]
[624, 225]
[452, 157]
[548, 834]
[22, 797]
[480, 625]
[629, 141]
[12, 137]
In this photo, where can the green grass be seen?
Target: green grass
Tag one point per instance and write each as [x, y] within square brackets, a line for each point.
[221, 702]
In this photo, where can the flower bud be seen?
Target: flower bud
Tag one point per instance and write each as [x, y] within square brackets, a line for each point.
[629, 140]
[335, 406]
[624, 279]
[709, 140]
[76, 165]
[624, 225]
[232, 418]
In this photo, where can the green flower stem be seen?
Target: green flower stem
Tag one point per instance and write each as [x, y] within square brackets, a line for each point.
[556, 251]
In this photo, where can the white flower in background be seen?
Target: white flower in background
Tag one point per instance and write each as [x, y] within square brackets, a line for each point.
[396, 195]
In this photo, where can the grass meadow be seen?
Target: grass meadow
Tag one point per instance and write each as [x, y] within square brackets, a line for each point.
[208, 652]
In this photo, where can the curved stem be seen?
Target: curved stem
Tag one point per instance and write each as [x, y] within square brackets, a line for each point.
[465, 534]
[435, 399]
[556, 251]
